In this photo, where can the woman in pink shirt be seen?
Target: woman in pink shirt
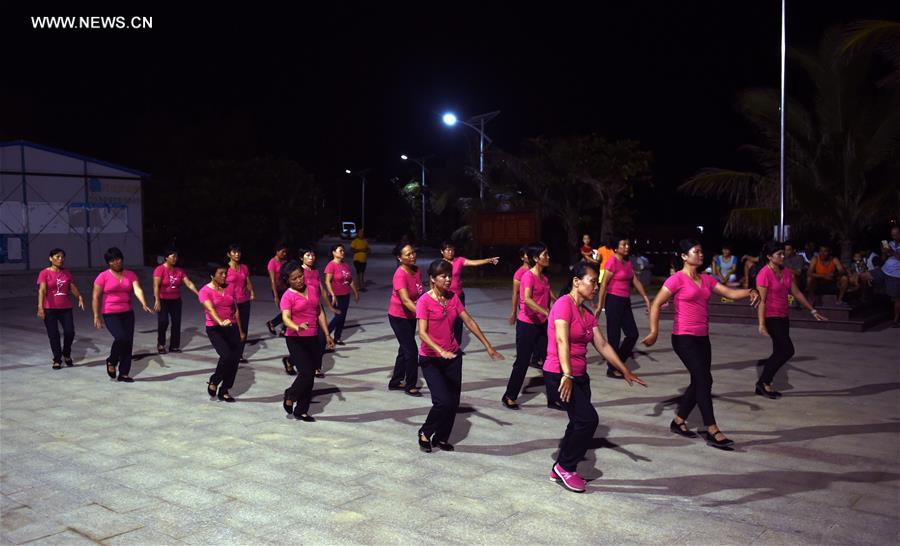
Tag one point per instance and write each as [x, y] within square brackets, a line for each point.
[531, 324]
[448, 253]
[224, 330]
[303, 318]
[691, 291]
[275, 281]
[167, 281]
[407, 288]
[517, 281]
[774, 283]
[615, 299]
[238, 278]
[339, 282]
[311, 277]
[116, 285]
[54, 306]
[439, 355]
[571, 327]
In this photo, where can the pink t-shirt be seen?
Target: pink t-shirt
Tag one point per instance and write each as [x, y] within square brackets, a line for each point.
[412, 282]
[116, 293]
[440, 323]
[341, 278]
[237, 280]
[517, 276]
[58, 287]
[691, 303]
[170, 280]
[620, 279]
[275, 267]
[777, 290]
[456, 275]
[311, 276]
[540, 293]
[303, 309]
[581, 333]
[223, 303]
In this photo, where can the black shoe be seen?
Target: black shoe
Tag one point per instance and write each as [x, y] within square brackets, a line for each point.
[224, 396]
[414, 392]
[110, 369]
[68, 361]
[271, 328]
[339, 342]
[125, 379]
[615, 374]
[212, 389]
[161, 349]
[686, 432]
[304, 417]
[320, 374]
[537, 365]
[556, 404]
[289, 408]
[400, 387]
[771, 394]
[713, 442]
[288, 367]
[424, 445]
[174, 350]
[243, 360]
[509, 403]
[57, 365]
[444, 446]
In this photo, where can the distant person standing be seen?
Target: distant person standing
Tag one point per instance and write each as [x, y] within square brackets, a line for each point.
[54, 306]
[339, 283]
[167, 281]
[277, 284]
[116, 285]
[448, 253]
[238, 277]
[360, 248]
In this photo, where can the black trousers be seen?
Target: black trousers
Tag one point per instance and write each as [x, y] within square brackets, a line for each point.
[406, 365]
[583, 420]
[337, 321]
[169, 308]
[458, 324]
[226, 340]
[305, 355]
[695, 353]
[528, 338]
[53, 318]
[121, 326]
[620, 318]
[444, 380]
[276, 320]
[782, 347]
[244, 310]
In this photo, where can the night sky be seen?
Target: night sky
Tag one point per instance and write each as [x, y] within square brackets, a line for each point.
[356, 85]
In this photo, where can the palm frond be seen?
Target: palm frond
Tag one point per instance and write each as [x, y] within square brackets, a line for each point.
[737, 187]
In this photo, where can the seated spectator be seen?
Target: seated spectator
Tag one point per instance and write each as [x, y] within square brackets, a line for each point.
[826, 275]
[751, 266]
[588, 254]
[795, 263]
[724, 267]
[641, 266]
[808, 252]
[887, 277]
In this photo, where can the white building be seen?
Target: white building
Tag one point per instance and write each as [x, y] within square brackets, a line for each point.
[52, 198]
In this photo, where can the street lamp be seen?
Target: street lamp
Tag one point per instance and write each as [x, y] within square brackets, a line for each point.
[421, 162]
[477, 123]
[362, 174]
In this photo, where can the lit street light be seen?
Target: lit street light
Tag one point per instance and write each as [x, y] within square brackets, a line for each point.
[421, 162]
[477, 123]
[362, 174]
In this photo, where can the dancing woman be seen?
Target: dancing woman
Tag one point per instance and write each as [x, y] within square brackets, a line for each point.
[439, 355]
[303, 318]
[54, 306]
[615, 300]
[407, 289]
[448, 253]
[311, 277]
[517, 282]
[571, 328]
[278, 288]
[238, 278]
[339, 282]
[691, 291]
[167, 281]
[115, 286]
[531, 324]
[224, 329]
[774, 283]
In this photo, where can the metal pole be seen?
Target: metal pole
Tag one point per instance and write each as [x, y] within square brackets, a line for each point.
[25, 242]
[781, 234]
[424, 233]
[87, 218]
[481, 162]
[363, 226]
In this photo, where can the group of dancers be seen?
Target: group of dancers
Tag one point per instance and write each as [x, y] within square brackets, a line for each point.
[551, 332]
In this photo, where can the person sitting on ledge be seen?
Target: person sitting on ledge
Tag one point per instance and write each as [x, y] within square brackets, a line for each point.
[826, 275]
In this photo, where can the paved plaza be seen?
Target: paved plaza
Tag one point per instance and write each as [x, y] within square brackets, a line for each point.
[86, 460]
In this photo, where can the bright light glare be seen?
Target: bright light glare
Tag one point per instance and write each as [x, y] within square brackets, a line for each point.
[449, 119]
[347, 171]
[403, 157]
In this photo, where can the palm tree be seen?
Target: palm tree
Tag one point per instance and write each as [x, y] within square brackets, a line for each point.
[841, 150]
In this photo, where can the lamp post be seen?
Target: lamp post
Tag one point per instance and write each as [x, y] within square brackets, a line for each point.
[362, 174]
[781, 234]
[477, 123]
[420, 162]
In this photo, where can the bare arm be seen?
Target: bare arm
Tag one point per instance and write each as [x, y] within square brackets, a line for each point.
[476, 331]
[139, 294]
[423, 335]
[95, 305]
[604, 286]
[323, 327]
[799, 296]
[661, 298]
[250, 288]
[407, 302]
[77, 294]
[639, 286]
[272, 283]
[42, 293]
[190, 285]
[761, 309]
[156, 282]
[736, 293]
[565, 365]
[610, 355]
[208, 305]
[485, 261]
[531, 304]
[515, 301]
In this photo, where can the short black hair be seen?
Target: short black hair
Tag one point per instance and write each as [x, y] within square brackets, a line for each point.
[772, 247]
[216, 265]
[439, 267]
[234, 246]
[55, 251]
[281, 245]
[685, 245]
[398, 248]
[289, 268]
[113, 253]
[168, 251]
[534, 251]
